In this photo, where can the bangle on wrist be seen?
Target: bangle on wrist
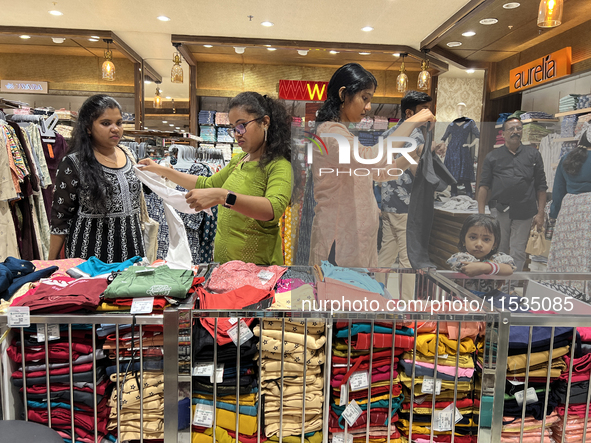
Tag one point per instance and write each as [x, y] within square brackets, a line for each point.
[495, 268]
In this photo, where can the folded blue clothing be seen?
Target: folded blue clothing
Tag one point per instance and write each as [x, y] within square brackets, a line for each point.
[54, 404]
[421, 371]
[93, 266]
[358, 328]
[244, 409]
[519, 338]
[351, 277]
[105, 330]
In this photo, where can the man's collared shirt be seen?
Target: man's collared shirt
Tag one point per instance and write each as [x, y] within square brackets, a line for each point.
[514, 180]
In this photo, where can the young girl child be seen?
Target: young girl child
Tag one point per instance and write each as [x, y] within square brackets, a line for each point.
[479, 240]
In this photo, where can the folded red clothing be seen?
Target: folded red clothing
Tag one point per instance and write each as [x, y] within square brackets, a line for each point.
[445, 438]
[396, 391]
[58, 352]
[377, 417]
[463, 403]
[159, 302]
[363, 341]
[101, 388]
[365, 357]
[378, 366]
[581, 368]
[84, 367]
[62, 418]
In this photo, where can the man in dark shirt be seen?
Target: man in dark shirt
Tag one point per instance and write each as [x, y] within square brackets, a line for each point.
[513, 184]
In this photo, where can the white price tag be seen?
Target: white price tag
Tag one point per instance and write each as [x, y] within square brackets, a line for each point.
[245, 333]
[54, 332]
[219, 374]
[444, 356]
[233, 320]
[516, 383]
[359, 381]
[352, 412]
[339, 437]
[265, 276]
[203, 416]
[442, 421]
[343, 397]
[427, 386]
[142, 305]
[203, 369]
[531, 397]
[19, 317]
[420, 400]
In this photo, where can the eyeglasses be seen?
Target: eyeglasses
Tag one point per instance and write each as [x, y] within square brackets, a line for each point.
[241, 128]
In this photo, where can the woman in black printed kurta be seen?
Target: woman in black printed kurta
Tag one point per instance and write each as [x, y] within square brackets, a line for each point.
[97, 199]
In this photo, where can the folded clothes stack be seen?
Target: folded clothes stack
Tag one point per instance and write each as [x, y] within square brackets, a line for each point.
[206, 117]
[223, 136]
[207, 133]
[221, 118]
[568, 125]
[568, 103]
[536, 115]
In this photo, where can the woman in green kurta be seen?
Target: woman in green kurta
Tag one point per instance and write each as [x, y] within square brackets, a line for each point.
[253, 190]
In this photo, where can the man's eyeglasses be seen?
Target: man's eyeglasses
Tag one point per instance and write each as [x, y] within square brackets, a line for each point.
[241, 128]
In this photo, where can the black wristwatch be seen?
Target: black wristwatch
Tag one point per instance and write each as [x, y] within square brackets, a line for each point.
[230, 200]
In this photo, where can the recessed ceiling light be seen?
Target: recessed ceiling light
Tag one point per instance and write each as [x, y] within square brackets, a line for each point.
[25, 37]
[93, 39]
[334, 52]
[511, 5]
[267, 24]
[163, 18]
[271, 49]
[56, 13]
[145, 127]
[95, 36]
[303, 51]
[396, 54]
[469, 34]
[454, 44]
[168, 98]
[469, 71]
[164, 121]
[364, 53]
[489, 21]
[177, 127]
[147, 82]
[171, 124]
[367, 29]
[267, 46]
[208, 46]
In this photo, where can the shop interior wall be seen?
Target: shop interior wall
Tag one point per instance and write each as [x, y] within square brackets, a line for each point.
[577, 38]
[450, 92]
[67, 73]
[229, 79]
[546, 97]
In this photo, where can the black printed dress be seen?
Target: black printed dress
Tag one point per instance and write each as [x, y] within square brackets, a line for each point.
[112, 237]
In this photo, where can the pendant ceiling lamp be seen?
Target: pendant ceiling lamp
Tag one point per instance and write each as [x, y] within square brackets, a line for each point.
[424, 81]
[108, 65]
[157, 97]
[550, 13]
[402, 79]
[176, 74]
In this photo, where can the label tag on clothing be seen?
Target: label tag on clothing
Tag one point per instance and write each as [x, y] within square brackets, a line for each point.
[352, 412]
[531, 397]
[203, 416]
[427, 386]
[442, 421]
[219, 374]
[444, 356]
[245, 333]
[203, 369]
[265, 276]
[339, 437]
[54, 332]
[19, 317]
[343, 397]
[233, 320]
[420, 400]
[516, 383]
[142, 305]
[359, 381]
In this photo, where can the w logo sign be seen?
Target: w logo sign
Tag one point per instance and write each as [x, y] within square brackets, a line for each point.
[302, 90]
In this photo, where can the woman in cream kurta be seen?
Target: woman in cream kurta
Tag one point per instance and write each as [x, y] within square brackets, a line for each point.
[347, 214]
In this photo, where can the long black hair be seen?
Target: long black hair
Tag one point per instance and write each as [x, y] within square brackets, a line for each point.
[574, 160]
[279, 132]
[91, 172]
[354, 78]
[487, 222]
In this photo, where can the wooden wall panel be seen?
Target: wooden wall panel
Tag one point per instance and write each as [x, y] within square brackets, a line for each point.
[67, 72]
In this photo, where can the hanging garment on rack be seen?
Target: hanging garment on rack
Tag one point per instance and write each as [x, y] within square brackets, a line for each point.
[53, 153]
[550, 150]
[458, 159]
[194, 223]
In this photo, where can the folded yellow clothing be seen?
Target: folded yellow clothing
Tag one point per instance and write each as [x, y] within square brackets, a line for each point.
[295, 375]
[295, 298]
[275, 366]
[313, 357]
[517, 363]
[313, 400]
[314, 438]
[153, 404]
[292, 425]
[272, 416]
[466, 361]
[445, 384]
[293, 386]
[227, 420]
[426, 345]
[427, 410]
[245, 400]
[315, 326]
[314, 341]
[403, 426]
[154, 425]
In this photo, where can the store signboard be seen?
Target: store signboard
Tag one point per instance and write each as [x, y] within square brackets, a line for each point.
[22, 86]
[302, 90]
[542, 70]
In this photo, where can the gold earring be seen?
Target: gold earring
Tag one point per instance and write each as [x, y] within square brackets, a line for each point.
[265, 135]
